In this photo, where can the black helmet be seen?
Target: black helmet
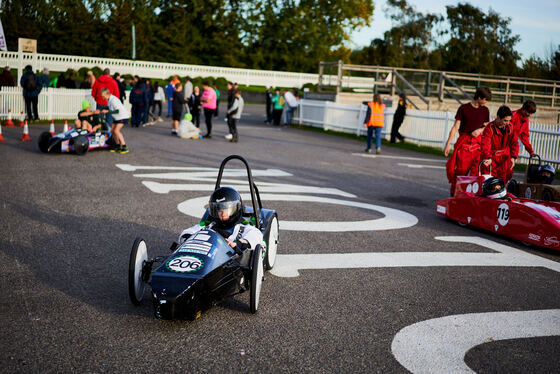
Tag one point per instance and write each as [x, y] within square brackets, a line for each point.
[494, 188]
[546, 174]
[225, 201]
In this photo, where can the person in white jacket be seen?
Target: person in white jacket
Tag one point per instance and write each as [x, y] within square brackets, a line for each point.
[234, 115]
[226, 218]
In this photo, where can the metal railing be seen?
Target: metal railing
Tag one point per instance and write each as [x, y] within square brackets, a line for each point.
[424, 128]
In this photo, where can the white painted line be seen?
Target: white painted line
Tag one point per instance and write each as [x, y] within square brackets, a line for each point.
[439, 345]
[416, 166]
[241, 186]
[214, 174]
[369, 155]
[128, 167]
[394, 219]
[290, 265]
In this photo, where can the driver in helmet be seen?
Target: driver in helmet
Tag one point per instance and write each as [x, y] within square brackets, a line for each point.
[546, 174]
[494, 188]
[226, 211]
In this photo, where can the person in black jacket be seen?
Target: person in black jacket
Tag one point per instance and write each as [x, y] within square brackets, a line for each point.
[398, 119]
[268, 95]
[31, 89]
[179, 101]
[139, 100]
[122, 89]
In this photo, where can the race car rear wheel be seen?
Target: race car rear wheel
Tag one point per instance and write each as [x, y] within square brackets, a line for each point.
[256, 279]
[136, 285]
[81, 145]
[271, 243]
[547, 195]
[44, 140]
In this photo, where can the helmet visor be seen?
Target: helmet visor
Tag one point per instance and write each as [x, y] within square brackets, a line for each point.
[223, 210]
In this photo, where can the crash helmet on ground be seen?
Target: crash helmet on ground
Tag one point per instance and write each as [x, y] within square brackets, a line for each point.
[225, 207]
[546, 174]
[494, 188]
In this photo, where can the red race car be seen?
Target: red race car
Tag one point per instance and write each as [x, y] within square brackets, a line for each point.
[530, 221]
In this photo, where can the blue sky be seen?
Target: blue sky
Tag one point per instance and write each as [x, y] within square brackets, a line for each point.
[537, 22]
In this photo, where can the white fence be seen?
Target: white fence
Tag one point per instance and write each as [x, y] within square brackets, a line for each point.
[162, 70]
[426, 128]
[53, 103]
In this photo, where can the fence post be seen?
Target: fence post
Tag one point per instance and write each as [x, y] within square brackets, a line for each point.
[49, 103]
[325, 115]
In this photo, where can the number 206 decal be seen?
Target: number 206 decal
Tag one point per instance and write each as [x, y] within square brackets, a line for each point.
[185, 264]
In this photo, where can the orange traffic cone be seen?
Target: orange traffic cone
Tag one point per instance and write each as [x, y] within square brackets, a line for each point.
[65, 128]
[25, 137]
[21, 120]
[1, 137]
[51, 129]
[9, 122]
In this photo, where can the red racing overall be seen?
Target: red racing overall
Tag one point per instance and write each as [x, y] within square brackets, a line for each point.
[465, 158]
[501, 146]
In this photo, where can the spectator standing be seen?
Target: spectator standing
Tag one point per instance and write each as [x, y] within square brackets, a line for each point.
[291, 105]
[121, 119]
[208, 100]
[6, 79]
[469, 122]
[179, 101]
[45, 80]
[217, 90]
[61, 81]
[188, 88]
[234, 114]
[138, 99]
[122, 88]
[268, 99]
[159, 98]
[277, 107]
[31, 89]
[374, 121]
[169, 89]
[70, 83]
[398, 119]
[500, 147]
[104, 81]
[195, 106]
[150, 96]
[90, 78]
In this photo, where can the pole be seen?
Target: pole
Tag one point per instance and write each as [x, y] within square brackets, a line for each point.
[133, 42]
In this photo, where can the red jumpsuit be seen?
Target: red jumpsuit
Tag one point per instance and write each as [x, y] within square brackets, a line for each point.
[501, 147]
[521, 128]
[464, 160]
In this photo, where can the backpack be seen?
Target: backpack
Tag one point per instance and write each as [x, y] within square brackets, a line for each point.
[30, 83]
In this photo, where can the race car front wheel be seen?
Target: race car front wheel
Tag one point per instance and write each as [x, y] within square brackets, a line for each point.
[271, 243]
[81, 145]
[256, 279]
[44, 140]
[136, 285]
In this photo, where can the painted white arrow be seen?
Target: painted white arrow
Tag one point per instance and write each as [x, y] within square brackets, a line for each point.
[418, 166]
[290, 265]
[439, 345]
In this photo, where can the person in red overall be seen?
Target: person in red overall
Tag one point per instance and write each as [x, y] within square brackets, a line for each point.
[500, 147]
[520, 124]
[469, 121]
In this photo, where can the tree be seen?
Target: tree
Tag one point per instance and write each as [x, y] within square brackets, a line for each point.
[479, 42]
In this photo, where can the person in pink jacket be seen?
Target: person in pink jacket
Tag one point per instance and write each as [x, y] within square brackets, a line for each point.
[208, 100]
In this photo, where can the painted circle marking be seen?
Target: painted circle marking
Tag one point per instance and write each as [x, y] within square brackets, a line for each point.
[503, 214]
[394, 218]
[184, 264]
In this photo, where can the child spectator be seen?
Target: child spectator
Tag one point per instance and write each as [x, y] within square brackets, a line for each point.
[159, 97]
[178, 102]
[499, 145]
[87, 119]
[195, 106]
[234, 114]
[277, 107]
[120, 118]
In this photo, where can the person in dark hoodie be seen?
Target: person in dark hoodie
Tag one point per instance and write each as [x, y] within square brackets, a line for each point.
[31, 89]
[104, 81]
[138, 98]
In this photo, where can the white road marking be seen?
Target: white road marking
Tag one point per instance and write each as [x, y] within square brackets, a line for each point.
[128, 167]
[214, 174]
[394, 219]
[290, 265]
[368, 155]
[416, 166]
[439, 345]
[243, 187]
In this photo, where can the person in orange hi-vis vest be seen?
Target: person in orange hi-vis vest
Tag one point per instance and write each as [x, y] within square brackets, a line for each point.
[374, 121]
[469, 122]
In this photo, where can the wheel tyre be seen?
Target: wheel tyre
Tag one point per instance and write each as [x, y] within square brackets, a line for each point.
[136, 286]
[44, 140]
[81, 145]
[513, 187]
[271, 244]
[462, 224]
[547, 195]
[257, 274]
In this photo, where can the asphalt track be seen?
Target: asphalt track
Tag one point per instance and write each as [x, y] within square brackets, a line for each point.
[67, 224]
